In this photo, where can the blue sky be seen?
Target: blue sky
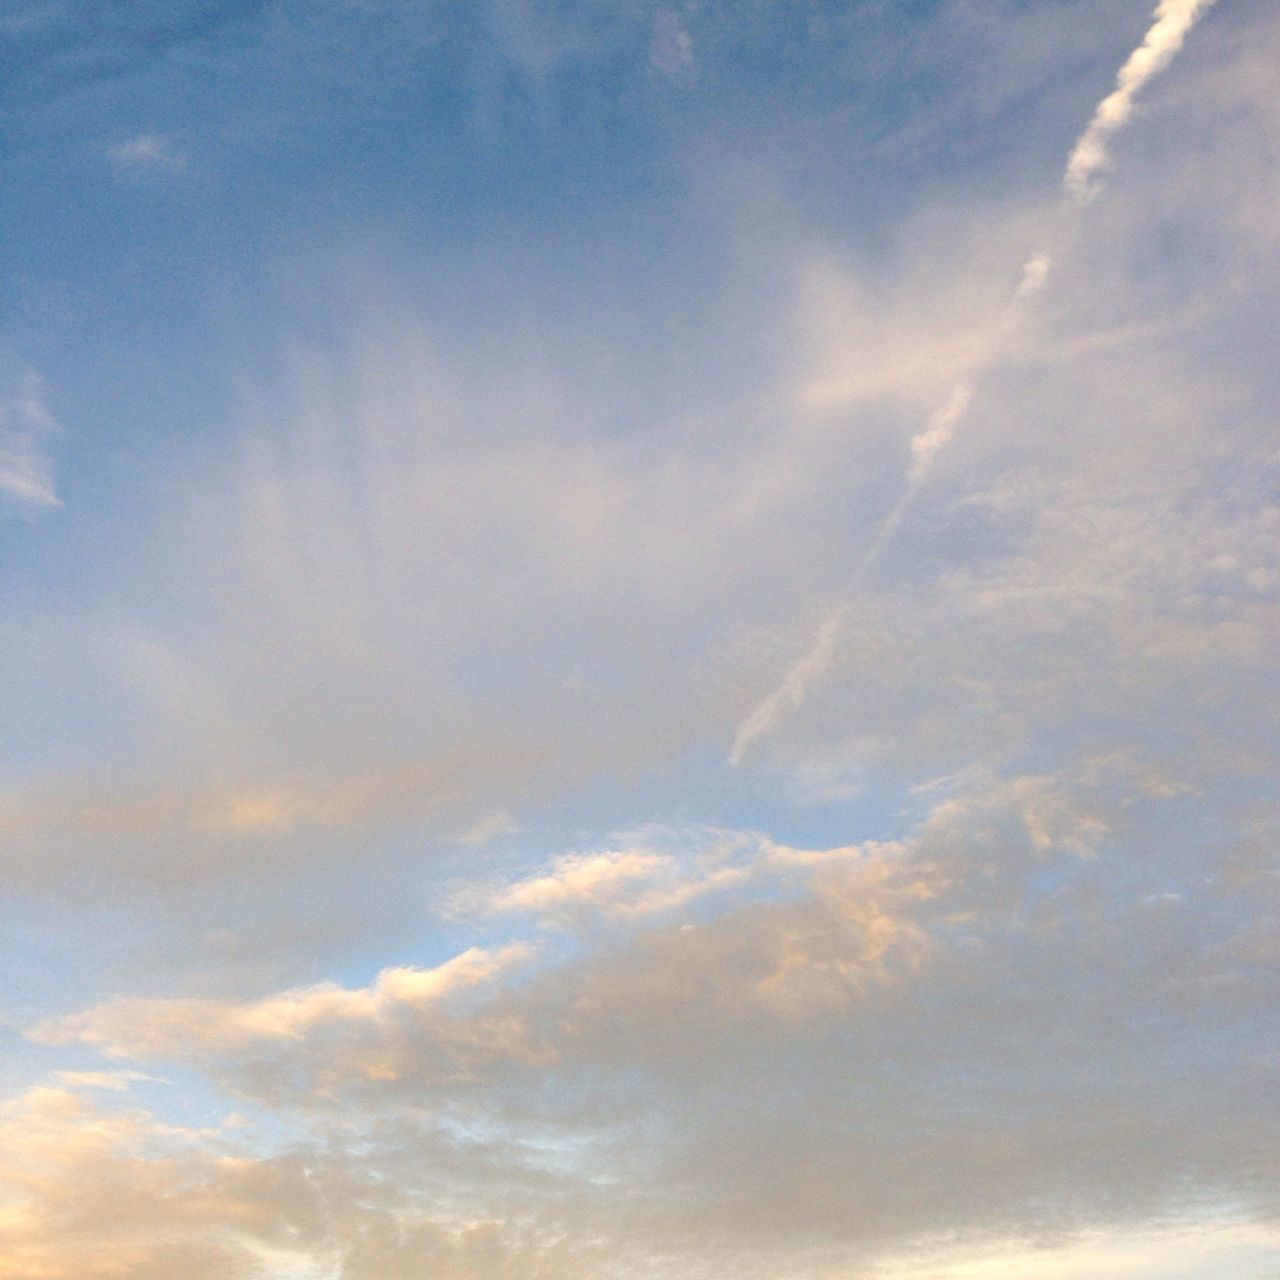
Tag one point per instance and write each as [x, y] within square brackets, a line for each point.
[638, 639]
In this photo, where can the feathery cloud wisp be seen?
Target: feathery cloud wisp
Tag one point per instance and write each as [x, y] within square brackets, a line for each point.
[26, 473]
[147, 151]
[671, 49]
[767, 714]
[927, 444]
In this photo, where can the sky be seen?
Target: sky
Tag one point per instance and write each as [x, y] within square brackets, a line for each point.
[639, 640]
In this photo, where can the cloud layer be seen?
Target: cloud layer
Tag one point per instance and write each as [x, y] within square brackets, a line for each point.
[641, 1084]
[457, 445]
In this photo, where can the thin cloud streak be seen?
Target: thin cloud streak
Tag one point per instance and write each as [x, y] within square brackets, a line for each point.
[926, 445]
[1173, 20]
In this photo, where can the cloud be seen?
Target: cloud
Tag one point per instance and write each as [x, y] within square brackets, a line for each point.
[96, 1193]
[658, 871]
[583, 880]
[829, 1012]
[926, 445]
[490, 828]
[1185, 1250]
[118, 1081]
[1089, 158]
[792, 691]
[671, 52]
[1035, 271]
[1174, 18]
[829, 1021]
[204, 1028]
[147, 152]
[966, 355]
[26, 471]
[88, 1193]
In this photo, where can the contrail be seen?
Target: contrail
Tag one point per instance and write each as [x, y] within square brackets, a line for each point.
[1173, 19]
[813, 664]
[791, 693]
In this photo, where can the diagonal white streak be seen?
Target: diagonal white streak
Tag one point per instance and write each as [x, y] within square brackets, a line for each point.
[1173, 19]
[1089, 158]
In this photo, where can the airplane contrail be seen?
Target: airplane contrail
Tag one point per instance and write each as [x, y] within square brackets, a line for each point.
[1088, 160]
[791, 693]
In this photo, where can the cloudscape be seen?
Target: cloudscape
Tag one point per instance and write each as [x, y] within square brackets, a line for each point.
[640, 640]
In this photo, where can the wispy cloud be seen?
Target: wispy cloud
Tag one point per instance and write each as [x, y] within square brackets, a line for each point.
[925, 446]
[668, 404]
[489, 828]
[1173, 20]
[26, 470]
[115, 1081]
[211, 1028]
[793, 689]
[671, 52]
[147, 152]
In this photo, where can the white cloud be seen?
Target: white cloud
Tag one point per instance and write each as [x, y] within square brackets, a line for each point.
[1035, 271]
[937, 434]
[117, 1081]
[1089, 158]
[659, 871]
[1216, 1245]
[26, 471]
[972, 356]
[671, 52]
[204, 1027]
[1028, 1021]
[148, 151]
[91, 1193]
[490, 828]
[792, 691]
